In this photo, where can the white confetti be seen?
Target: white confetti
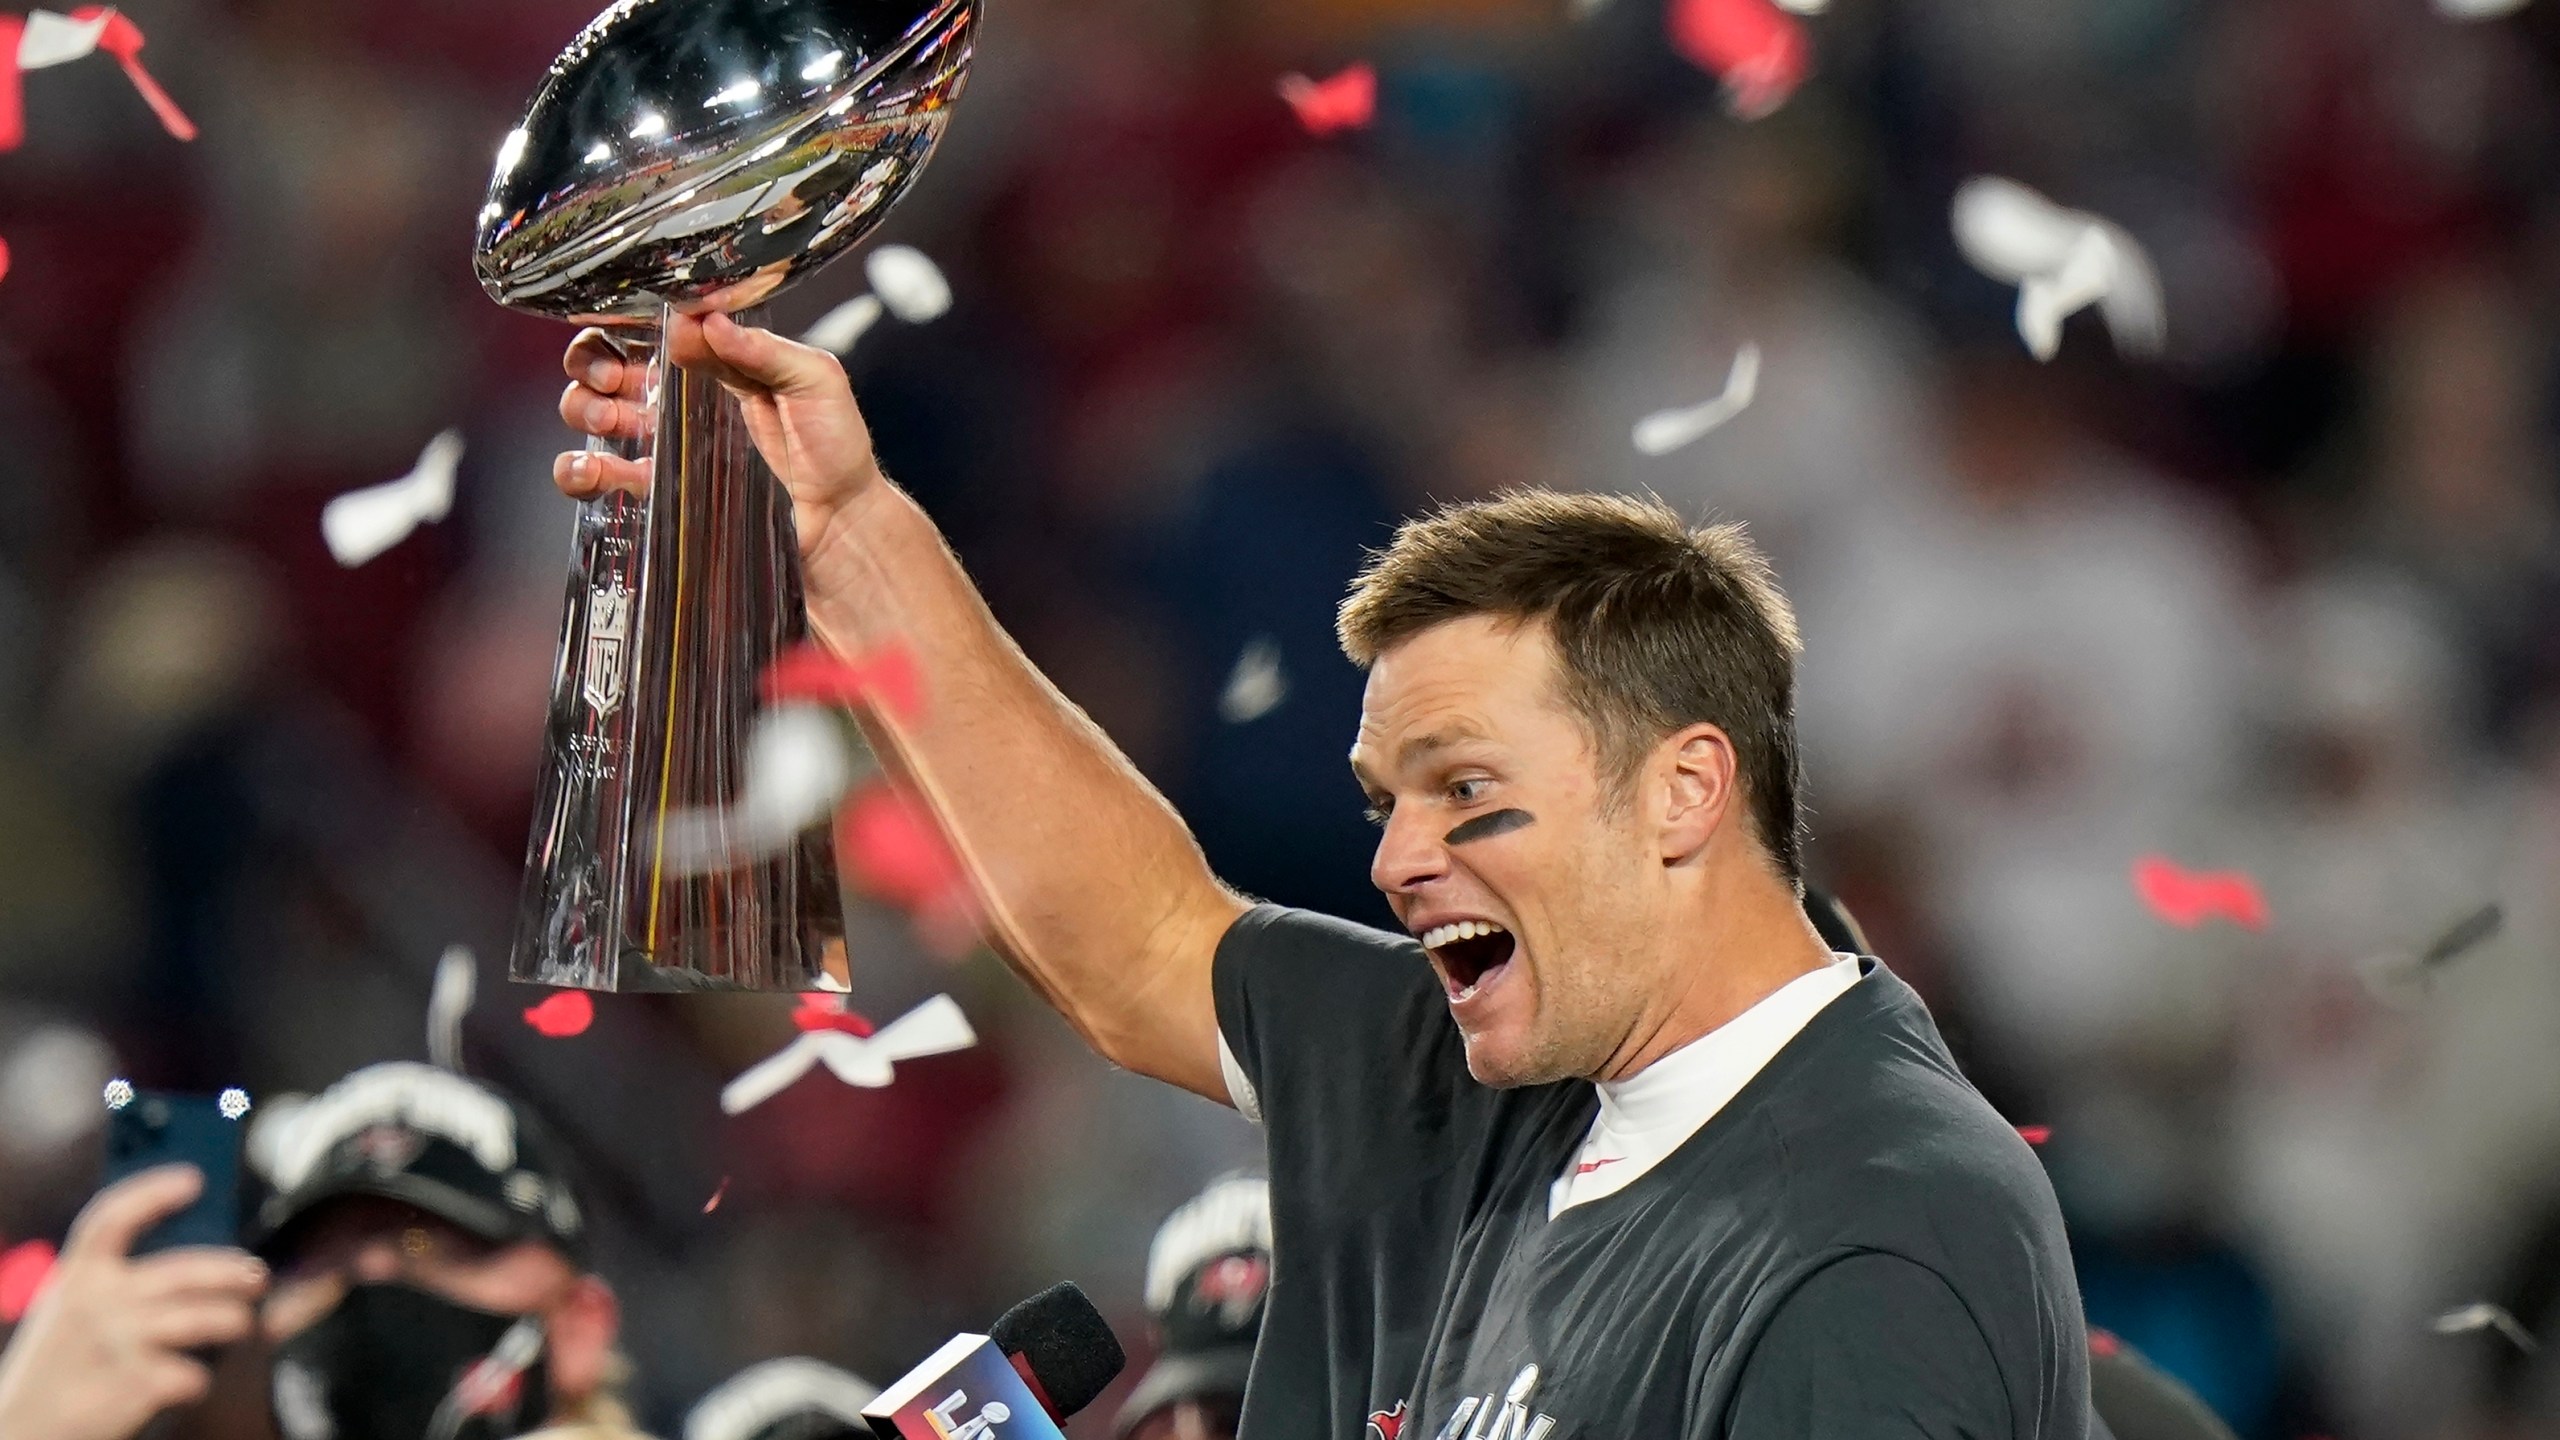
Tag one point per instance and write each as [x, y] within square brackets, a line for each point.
[51, 39]
[1804, 7]
[2062, 261]
[1664, 431]
[233, 1103]
[361, 524]
[908, 283]
[119, 1094]
[1257, 685]
[798, 765]
[2486, 1317]
[839, 328]
[457, 978]
[2478, 9]
[936, 1027]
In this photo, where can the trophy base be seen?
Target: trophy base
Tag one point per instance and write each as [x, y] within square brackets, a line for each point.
[677, 603]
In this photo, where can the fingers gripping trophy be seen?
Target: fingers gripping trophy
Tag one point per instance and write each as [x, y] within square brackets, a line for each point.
[686, 157]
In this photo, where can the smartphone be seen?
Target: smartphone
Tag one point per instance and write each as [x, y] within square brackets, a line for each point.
[160, 1128]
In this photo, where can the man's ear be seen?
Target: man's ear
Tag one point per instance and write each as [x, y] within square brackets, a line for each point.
[1695, 769]
[584, 1323]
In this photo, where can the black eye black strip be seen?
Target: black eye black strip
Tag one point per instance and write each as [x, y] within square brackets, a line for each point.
[1485, 827]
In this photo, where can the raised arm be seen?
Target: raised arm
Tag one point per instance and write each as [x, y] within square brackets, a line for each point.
[1094, 889]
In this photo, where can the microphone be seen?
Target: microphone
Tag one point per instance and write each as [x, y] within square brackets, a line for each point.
[1044, 1360]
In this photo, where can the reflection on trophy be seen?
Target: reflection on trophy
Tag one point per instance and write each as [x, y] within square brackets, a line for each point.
[695, 155]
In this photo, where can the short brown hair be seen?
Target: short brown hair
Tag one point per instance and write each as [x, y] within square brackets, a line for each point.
[1657, 625]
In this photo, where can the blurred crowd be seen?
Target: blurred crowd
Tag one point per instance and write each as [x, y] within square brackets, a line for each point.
[2284, 600]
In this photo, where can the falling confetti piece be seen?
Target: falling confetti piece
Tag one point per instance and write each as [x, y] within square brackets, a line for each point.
[119, 1094]
[1257, 685]
[2062, 261]
[233, 1103]
[827, 1011]
[2103, 1343]
[49, 39]
[935, 1027]
[896, 851]
[2478, 9]
[2486, 1317]
[562, 1015]
[908, 282]
[2035, 1134]
[361, 524]
[839, 328]
[716, 1196]
[123, 39]
[4, 259]
[457, 977]
[2466, 934]
[1804, 7]
[1760, 52]
[24, 1269]
[2187, 898]
[1664, 431]
[798, 764]
[1346, 101]
[886, 679]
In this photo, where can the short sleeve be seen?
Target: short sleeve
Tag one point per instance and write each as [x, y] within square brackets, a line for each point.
[1871, 1347]
[1336, 1036]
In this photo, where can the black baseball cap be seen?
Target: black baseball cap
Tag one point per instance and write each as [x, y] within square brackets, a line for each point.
[1208, 1282]
[451, 1146]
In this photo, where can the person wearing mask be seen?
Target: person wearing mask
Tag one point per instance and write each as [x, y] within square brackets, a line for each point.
[416, 1270]
[1208, 1276]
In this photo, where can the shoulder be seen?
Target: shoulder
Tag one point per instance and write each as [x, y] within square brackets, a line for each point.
[1882, 1144]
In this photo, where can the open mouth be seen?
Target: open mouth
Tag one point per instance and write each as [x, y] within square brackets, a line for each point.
[1467, 953]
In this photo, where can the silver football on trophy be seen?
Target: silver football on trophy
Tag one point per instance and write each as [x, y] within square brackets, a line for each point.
[704, 153]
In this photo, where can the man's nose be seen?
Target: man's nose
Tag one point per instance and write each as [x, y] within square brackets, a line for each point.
[1409, 856]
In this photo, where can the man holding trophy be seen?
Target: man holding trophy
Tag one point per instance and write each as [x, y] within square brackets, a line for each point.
[1610, 1143]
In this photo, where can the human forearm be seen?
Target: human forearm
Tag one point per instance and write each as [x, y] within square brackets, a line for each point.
[1094, 889]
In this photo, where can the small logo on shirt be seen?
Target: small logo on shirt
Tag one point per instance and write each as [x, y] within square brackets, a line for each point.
[1387, 1424]
[1587, 1166]
[1512, 1420]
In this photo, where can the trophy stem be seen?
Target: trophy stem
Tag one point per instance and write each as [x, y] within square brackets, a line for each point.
[677, 604]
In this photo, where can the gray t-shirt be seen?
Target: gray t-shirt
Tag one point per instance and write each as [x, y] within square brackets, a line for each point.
[1855, 1247]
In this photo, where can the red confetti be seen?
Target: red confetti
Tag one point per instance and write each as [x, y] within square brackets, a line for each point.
[23, 1271]
[2035, 1134]
[13, 105]
[2103, 1343]
[4, 259]
[714, 1202]
[1347, 101]
[123, 39]
[898, 854]
[2187, 898]
[564, 1014]
[827, 1012]
[886, 678]
[1760, 52]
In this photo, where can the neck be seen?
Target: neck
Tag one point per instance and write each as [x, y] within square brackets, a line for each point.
[1751, 938]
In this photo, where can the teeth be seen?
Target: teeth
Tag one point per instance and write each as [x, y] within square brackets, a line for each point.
[1439, 935]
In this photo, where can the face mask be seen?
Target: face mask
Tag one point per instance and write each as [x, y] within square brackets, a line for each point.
[396, 1363]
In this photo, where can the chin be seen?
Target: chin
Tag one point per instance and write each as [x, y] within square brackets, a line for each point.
[1507, 1066]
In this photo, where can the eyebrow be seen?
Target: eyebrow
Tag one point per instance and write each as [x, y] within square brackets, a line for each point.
[1418, 748]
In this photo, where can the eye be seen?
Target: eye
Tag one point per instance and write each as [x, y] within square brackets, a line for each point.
[1377, 811]
[1469, 792]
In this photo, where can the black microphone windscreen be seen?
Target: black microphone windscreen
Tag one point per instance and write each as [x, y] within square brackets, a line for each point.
[1067, 1343]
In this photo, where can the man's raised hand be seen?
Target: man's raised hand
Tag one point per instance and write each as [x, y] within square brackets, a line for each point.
[105, 1347]
[799, 409]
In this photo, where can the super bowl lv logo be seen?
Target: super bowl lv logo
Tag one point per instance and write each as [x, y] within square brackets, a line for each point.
[608, 629]
[947, 1424]
[1510, 1420]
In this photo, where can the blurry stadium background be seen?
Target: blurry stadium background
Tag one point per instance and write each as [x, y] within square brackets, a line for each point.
[2285, 600]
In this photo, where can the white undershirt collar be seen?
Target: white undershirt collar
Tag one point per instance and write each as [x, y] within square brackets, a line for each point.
[1651, 1113]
